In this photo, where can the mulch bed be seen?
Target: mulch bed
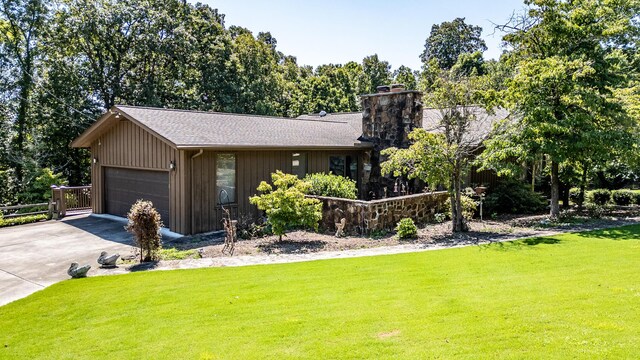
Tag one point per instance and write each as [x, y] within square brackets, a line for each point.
[500, 229]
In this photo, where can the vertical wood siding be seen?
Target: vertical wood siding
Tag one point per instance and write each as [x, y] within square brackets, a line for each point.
[130, 146]
[252, 167]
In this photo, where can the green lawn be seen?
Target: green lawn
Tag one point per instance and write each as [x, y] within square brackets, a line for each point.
[565, 297]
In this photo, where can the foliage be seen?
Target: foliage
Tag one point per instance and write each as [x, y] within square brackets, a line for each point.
[175, 254]
[442, 157]
[407, 229]
[569, 59]
[38, 186]
[331, 185]
[448, 40]
[22, 220]
[145, 223]
[511, 196]
[286, 206]
[622, 197]
[599, 196]
[574, 195]
[404, 75]
[469, 208]
[636, 197]
[595, 211]
[440, 217]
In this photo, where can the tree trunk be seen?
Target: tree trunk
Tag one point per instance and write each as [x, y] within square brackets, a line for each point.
[459, 223]
[583, 184]
[21, 120]
[555, 191]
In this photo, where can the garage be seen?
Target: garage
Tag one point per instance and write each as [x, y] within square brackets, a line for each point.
[122, 187]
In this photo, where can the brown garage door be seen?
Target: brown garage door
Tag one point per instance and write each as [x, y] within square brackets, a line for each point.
[122, 187]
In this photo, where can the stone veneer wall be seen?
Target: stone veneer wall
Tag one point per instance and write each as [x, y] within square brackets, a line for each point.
[366, 216]
[387, 120]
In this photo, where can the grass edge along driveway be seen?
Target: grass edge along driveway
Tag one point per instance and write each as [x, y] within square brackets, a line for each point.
[566, 296]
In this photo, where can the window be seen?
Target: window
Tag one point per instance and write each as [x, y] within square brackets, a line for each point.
[299, 164]
[346, 166]
[226, 178]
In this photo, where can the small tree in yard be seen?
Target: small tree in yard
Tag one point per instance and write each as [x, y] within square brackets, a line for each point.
[287, 206]
[442, 155]
[144, 224]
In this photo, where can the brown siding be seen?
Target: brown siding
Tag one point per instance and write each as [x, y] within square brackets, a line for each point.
[129, 146]
[251, 168]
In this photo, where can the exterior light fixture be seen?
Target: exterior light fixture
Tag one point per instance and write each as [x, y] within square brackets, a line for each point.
[172, 165]
[95, 160]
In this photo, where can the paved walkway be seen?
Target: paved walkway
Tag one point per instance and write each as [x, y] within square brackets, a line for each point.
[37, 255]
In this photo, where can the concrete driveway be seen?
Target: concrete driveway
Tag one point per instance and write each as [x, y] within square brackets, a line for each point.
[37, 255]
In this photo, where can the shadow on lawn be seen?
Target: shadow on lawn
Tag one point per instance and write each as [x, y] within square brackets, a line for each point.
[292, 247]
[631, 232]
[520, 244]
[150, 265]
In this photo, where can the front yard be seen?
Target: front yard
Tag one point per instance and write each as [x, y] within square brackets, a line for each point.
[567, 296]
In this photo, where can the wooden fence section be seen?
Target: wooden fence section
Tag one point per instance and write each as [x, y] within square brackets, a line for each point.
[70, 198]
[10, 211]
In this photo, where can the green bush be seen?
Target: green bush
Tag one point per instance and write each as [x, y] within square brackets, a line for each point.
[331, 185]
[622, 196]
[145, 223]
[286, 206]
[599, 196]
[21, 220]
[636, 197]
[595, 211]
[513, 197]
[38, 188]
[407, 229]
[469, 207]
[574, 195]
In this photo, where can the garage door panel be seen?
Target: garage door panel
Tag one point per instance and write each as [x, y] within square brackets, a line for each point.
[122, 187]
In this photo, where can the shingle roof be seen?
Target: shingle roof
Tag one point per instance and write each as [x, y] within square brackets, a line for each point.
[478, 132]
[198, 129]
[209, 129]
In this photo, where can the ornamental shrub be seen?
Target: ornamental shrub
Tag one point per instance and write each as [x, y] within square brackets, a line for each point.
[599, 196]
[513, 197]
[407, 229]
[636, 197]
[286, 206]
[331, 185]
[145, 223]
[469, 207]
[622, 196]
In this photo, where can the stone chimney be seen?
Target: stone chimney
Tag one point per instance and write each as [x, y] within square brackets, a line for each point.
[387, 119]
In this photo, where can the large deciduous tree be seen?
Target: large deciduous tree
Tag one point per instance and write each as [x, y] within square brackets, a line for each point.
[21, 25]
[448, 40]
[569, 60]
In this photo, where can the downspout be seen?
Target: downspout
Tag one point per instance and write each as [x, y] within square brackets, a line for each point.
[193, 219]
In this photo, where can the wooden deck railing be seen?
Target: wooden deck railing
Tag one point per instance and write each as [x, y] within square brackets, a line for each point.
[70, 198]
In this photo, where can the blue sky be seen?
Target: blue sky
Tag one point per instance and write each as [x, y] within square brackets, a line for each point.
[333, 31]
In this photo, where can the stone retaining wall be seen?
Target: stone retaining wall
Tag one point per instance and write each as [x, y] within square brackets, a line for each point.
[362, 217]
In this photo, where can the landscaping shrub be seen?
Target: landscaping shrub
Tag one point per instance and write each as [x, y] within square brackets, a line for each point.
[407, 229]
[599, 196]
[22, 220]
[636, 196]
[332, 185]
[144, 224]
[513, 197]
[574, 195]
[286, 206]
[175, 254]
[622, 196]
[469, 207]
[595, 211]
[440, 218]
